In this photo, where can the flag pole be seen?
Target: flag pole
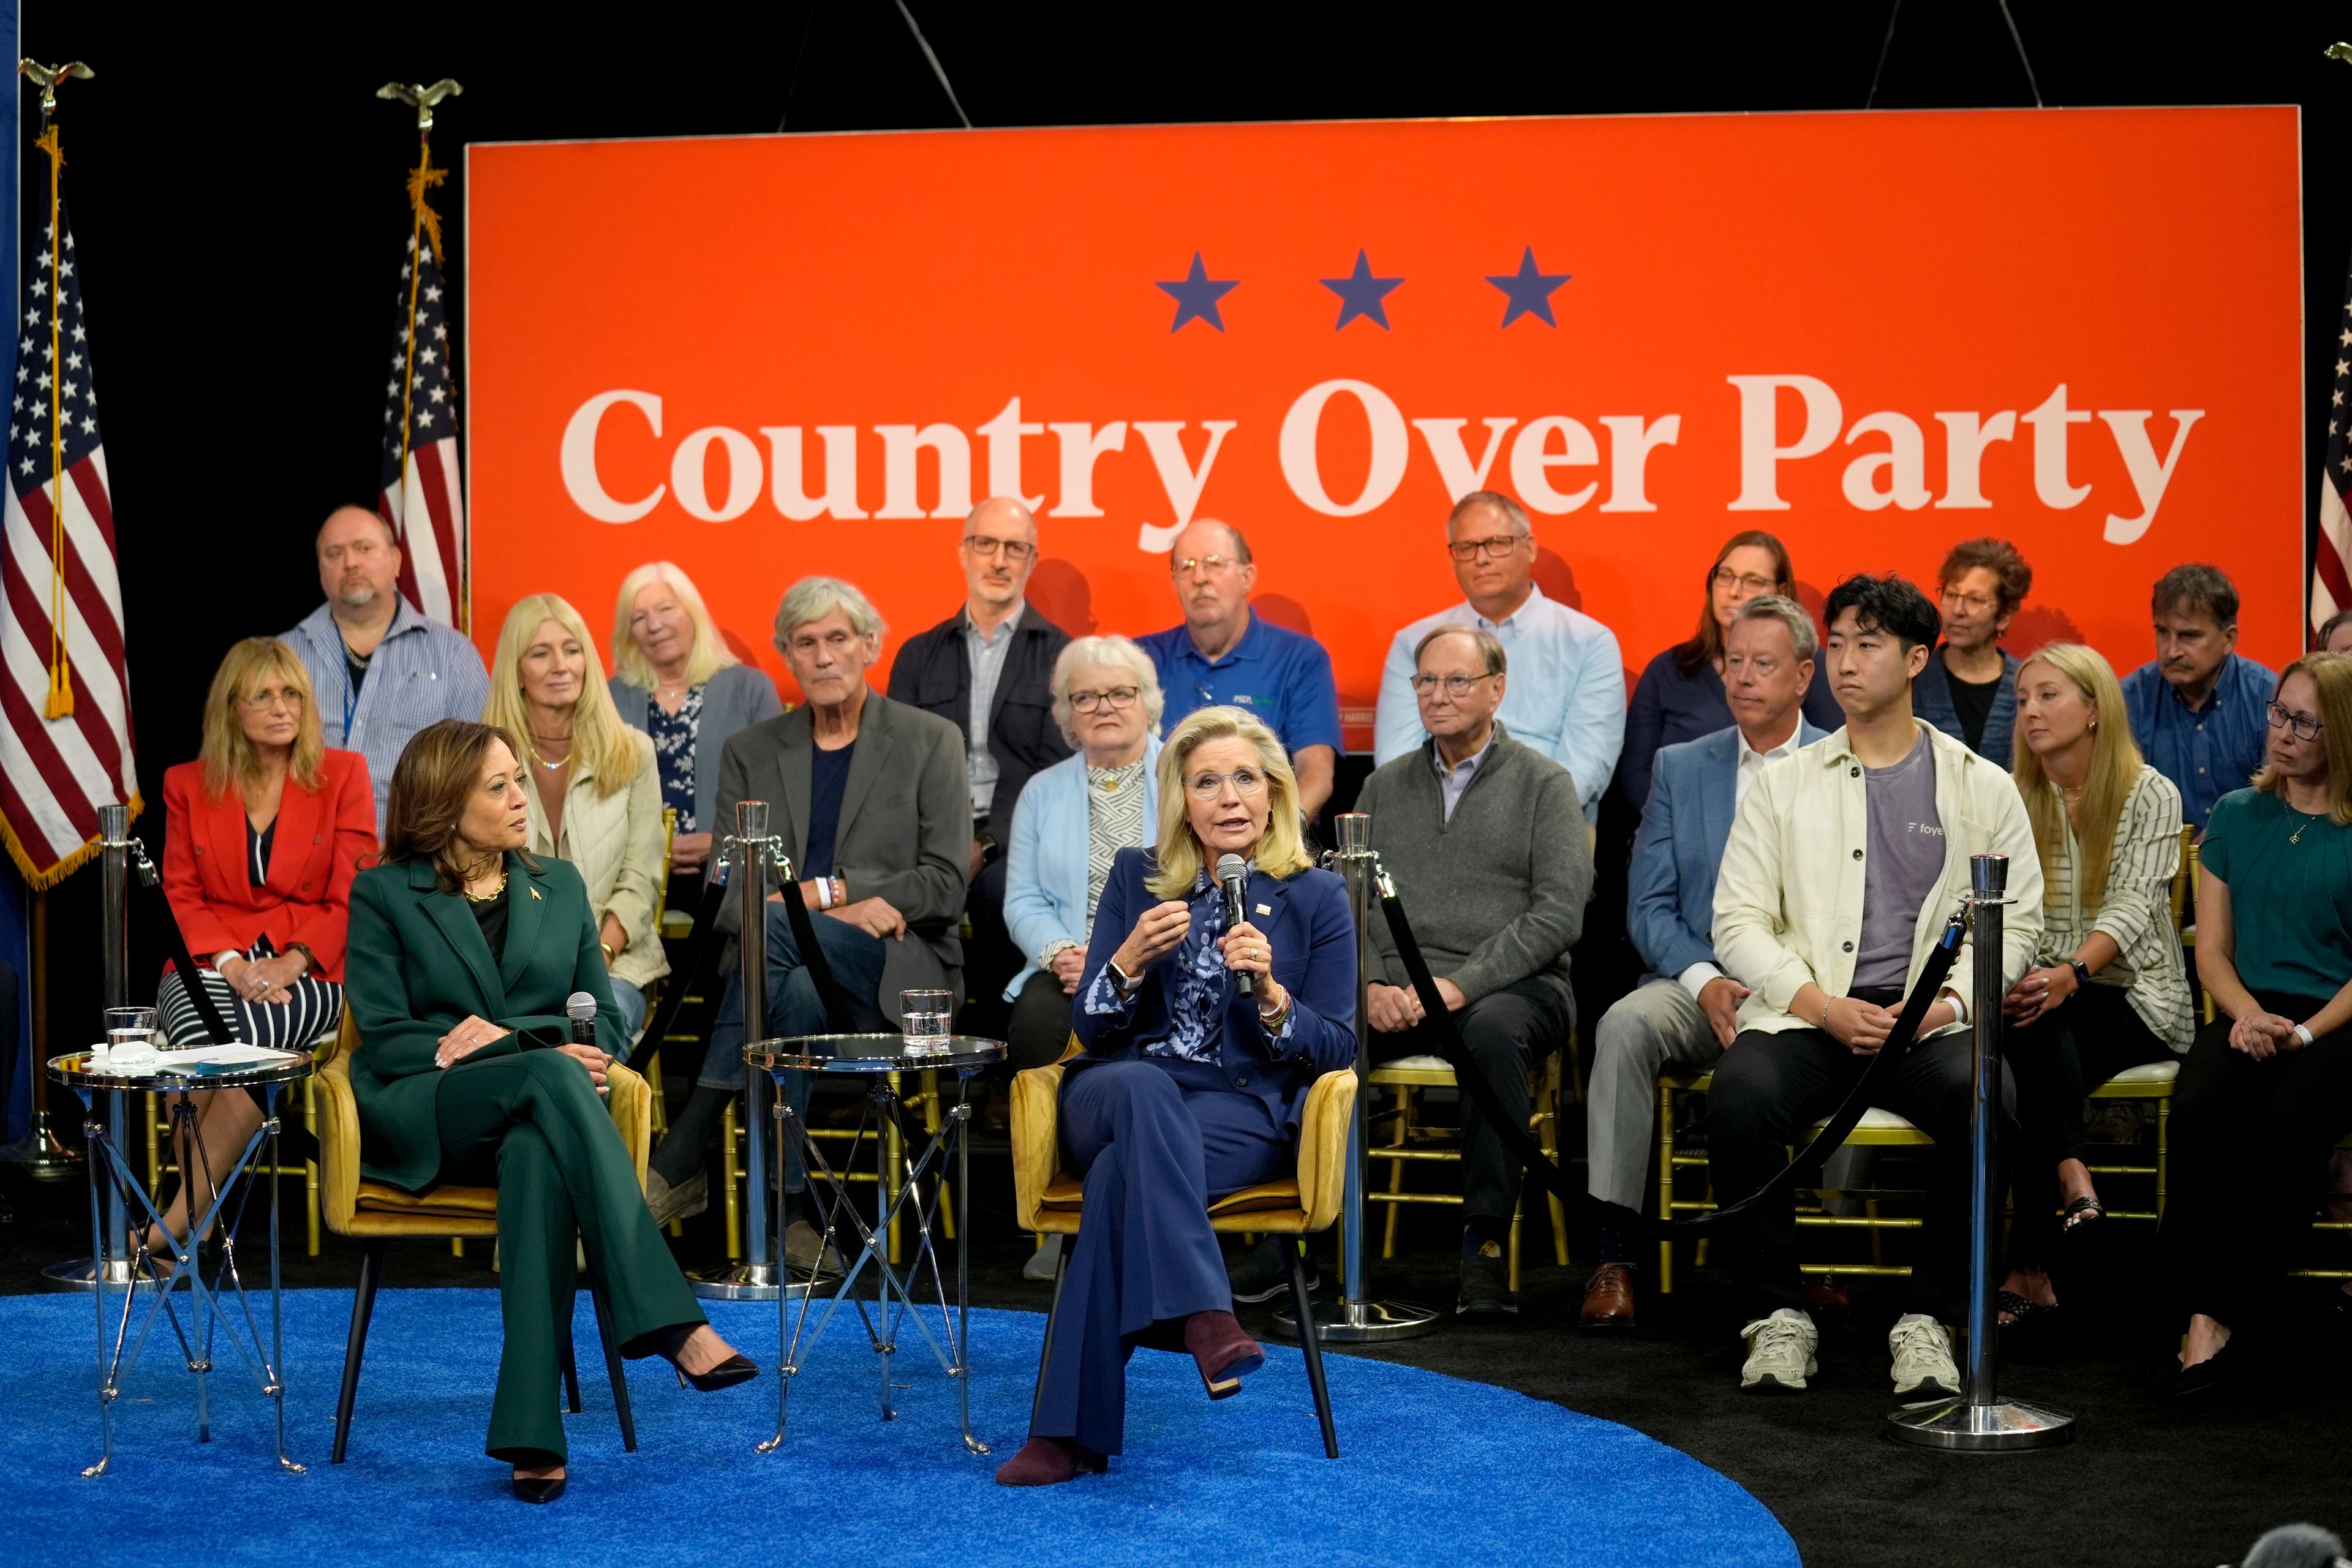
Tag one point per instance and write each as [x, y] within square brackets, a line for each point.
[425, 228]
[60, 703]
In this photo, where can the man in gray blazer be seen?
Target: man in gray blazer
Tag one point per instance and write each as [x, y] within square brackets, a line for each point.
[1487, 841]
[871, 799]
[1683, 1013]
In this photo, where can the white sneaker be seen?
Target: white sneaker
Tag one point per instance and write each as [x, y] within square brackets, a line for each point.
[1779, 1353]
[1923, 1358]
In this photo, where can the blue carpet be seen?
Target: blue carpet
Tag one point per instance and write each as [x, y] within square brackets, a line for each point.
[1433, 1470]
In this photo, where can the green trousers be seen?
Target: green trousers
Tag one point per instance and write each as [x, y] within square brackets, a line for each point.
[534, 1123]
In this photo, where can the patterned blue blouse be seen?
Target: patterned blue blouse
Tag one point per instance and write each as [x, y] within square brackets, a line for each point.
[1196, 1011]
[673, 736]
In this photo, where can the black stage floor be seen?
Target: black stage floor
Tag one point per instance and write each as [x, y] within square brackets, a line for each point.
[2142, 1485]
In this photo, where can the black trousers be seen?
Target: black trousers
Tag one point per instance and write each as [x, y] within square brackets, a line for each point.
[1506, 1032]
[2052, 1063]
[2249, 1147]
[1039, 1030]
[1768, 1089]
[989, 958]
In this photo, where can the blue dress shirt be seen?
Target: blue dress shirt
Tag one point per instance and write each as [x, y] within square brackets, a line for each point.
[1565, 696]
[2205, 752]
[420, 673]
[1280, 676]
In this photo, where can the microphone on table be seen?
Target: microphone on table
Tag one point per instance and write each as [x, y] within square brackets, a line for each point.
[581, 1008]
[1232, 875]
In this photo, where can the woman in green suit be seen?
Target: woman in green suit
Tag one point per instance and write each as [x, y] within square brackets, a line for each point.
[463, 950]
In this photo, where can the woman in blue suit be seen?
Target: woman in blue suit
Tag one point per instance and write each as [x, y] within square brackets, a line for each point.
[1187, 1089]
[1073, 820]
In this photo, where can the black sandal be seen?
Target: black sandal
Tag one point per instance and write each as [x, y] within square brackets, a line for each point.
[2021, 1309]
[2082, 1211]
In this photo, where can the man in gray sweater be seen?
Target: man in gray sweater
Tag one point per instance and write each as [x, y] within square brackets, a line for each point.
[1487, 842]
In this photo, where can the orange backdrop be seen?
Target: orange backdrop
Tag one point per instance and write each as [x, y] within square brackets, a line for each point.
[1872, 334]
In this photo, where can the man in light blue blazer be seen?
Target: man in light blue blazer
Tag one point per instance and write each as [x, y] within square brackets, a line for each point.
[1683, 1013]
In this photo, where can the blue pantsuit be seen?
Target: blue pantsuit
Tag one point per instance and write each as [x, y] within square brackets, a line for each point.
[1181, 1098]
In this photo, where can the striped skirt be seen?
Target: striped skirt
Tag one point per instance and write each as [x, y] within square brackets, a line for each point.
[313, 1008]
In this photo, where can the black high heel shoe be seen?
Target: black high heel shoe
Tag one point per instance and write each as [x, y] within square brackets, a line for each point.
[735, 1369]
[543, 1489]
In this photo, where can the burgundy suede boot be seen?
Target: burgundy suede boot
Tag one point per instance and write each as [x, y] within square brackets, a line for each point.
[1223, 1351]
[1048, 1461]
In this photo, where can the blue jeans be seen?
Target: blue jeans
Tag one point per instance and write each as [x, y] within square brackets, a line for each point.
[794, 1008]
[632, 1003]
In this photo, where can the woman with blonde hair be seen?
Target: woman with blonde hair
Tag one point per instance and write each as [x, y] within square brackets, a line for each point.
[2266, 1091]
[1189, 1087]
[263, 833]
[2107, 990]
[594, 799]
[674, 679]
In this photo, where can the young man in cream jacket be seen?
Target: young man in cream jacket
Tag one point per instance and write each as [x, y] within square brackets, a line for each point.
[1843, 864]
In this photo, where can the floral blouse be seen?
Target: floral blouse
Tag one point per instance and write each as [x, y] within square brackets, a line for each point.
[1196, 1009]
[674, 735]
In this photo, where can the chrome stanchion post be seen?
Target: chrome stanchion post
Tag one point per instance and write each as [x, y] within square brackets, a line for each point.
[1981, 1420]
[111, 1264]
[748, 854]
[1353, 1319]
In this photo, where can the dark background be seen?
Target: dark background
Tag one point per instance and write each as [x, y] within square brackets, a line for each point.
[236, 191]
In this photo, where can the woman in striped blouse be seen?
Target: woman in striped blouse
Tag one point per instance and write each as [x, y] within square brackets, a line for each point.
[2109, 990]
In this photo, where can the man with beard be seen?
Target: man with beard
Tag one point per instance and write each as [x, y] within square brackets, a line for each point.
[382, 670]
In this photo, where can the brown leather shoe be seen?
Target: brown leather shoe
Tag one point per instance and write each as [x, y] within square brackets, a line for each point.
[1048, 1461]
[1223, 1351]
[1608, 1299]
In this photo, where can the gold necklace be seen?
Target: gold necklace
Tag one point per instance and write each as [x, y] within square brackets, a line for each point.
[492, 896]
[2296, 836]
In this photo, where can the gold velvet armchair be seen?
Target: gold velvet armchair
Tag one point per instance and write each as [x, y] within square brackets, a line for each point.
[1048, 1198]
[375, 1214]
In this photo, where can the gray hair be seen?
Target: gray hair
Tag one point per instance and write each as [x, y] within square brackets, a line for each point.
[1513, 512]
[1490, 647]
[1117, 653]
[1241, 545]
[813, 599]
[1789, 613]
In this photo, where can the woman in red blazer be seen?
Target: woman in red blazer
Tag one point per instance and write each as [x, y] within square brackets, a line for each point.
[263, 833]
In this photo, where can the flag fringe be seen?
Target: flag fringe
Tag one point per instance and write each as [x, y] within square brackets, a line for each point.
[40, 880]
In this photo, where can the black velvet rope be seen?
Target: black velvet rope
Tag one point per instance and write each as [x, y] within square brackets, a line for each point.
[1539, 1167]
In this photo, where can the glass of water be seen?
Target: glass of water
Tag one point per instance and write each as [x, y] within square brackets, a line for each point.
[129, 1028]
[926, 1015]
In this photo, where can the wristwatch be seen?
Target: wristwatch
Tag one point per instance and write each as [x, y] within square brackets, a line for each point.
[2303, 1033]
[2082, 970]
[1120, 978]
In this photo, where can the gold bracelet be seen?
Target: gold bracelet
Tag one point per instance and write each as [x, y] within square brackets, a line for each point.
[609, 953]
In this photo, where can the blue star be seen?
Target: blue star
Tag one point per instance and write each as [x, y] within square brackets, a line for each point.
[1196, 294]
[1529, 289]
[1361, 294]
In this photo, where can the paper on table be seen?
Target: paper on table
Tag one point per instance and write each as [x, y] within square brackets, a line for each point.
[231, 1054]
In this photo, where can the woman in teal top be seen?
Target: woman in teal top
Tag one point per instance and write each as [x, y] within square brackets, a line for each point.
[2266, 1091]
[463, 950]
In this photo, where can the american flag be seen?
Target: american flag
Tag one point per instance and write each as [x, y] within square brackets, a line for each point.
[2331, 555]
[422, 498]
[64, 748]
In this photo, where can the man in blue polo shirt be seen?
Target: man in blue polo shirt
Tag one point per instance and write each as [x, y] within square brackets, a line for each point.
[1224, 656]
[2198, 709]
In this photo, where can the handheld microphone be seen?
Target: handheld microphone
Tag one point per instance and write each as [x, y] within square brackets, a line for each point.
[581, 1008]
[1232, 875]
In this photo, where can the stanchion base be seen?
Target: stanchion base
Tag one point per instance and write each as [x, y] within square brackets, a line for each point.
[82, 1274]
[2004, 1427]
[745, 1282]
[1362, 1322]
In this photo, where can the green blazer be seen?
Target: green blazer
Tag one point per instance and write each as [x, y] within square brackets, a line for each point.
[419, 964]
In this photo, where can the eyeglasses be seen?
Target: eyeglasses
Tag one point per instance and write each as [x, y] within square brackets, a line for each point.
[1493, 549]
[1456, 685]
[2295, 724]
[1203, 563]
[1247, 781]
[262, 701]
[1975, 604]
[1014, 550]
[1725, 577]
[1114, 697]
